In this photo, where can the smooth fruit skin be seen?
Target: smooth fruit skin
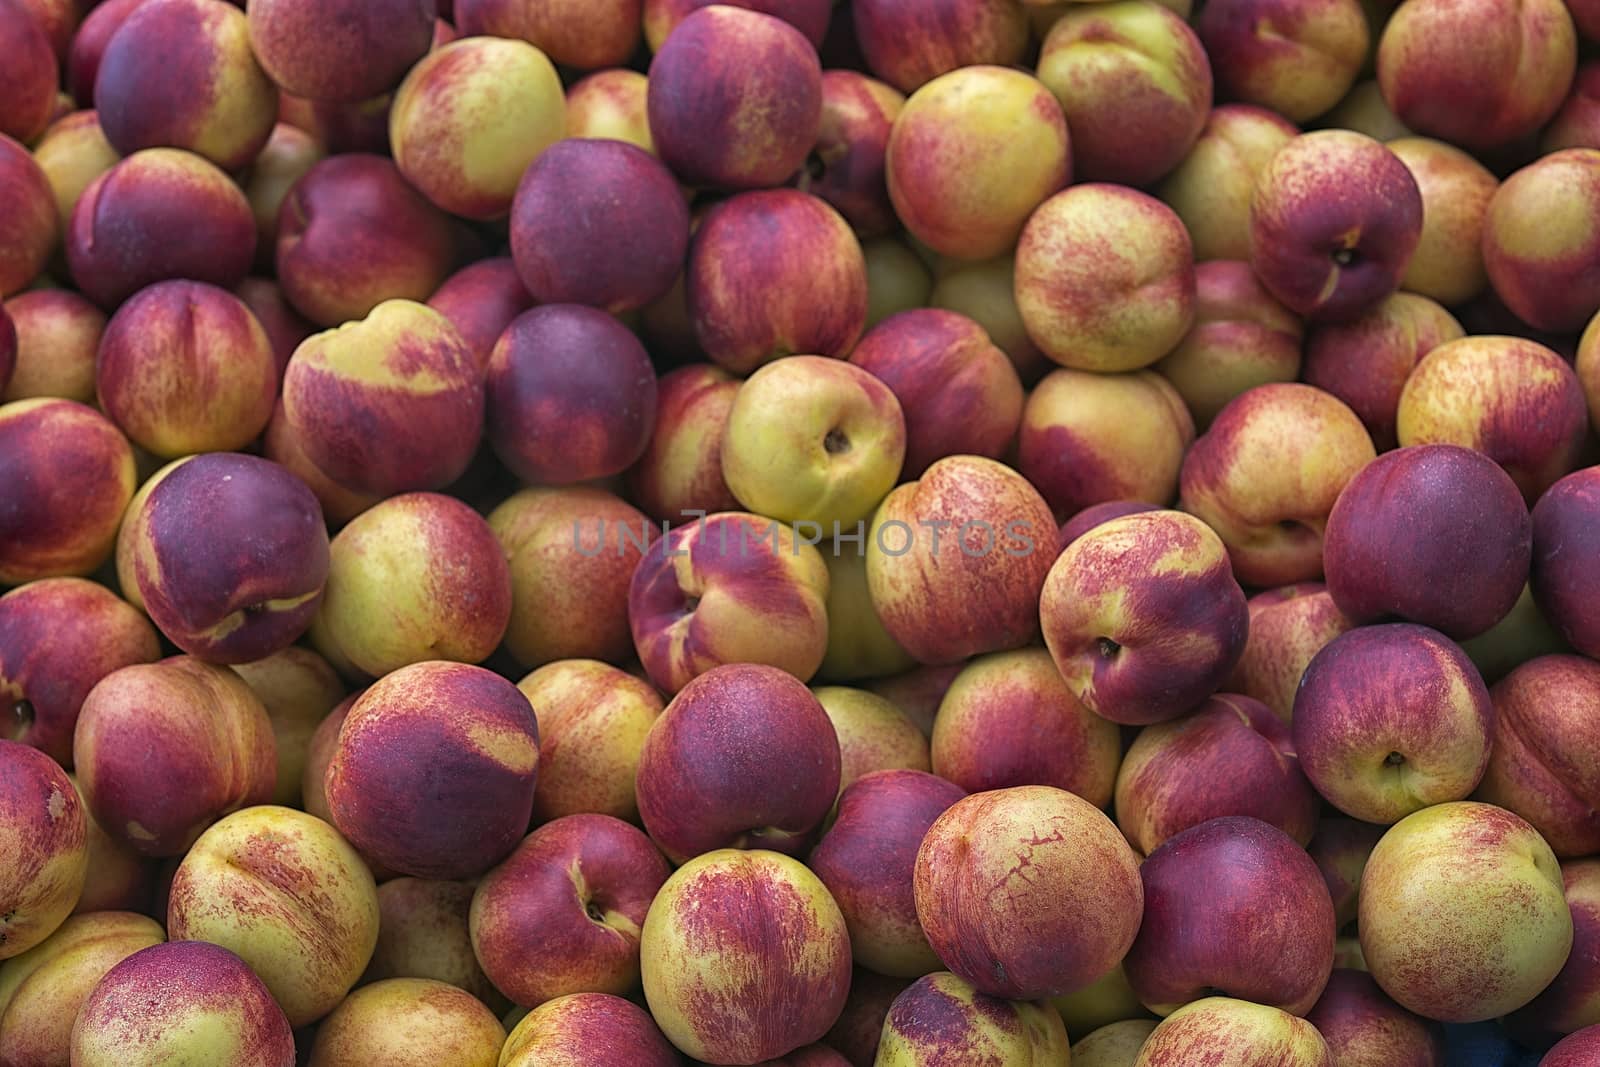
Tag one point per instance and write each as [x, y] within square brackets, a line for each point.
[1087, 438]
[44, 827]
[159, 213]
[1516, 400]
[28, 86]
[435, 769]
[285, 892]
[942, 1019]
[1105, 278]
[1340, 850]
[288, 156]
[858, 114]
[729, 588]
[1456, 190]
[956, 559]
[181, 74]
[1288, 626]
[1297, 57]
[570, 396]
[346, 50]
[42, 989]
[1578, 1050]
[600, 223]
[416, 577]
[1143, 616]
[1364, 1028]
[1477, 73]
[28, 231]
[1571, 1002]
[8, 349]
[575, 34]
[1108, 999]
[247, 586]
[874, 734]
[471, 117]
[118, 879]
[867, 859]
[164, 749]
[1234, 1032]
[1574, 126]
[593, 721]
[958, 391]
[1005, 117]
[1540, 234]
[1242, 337]
[859, 1030]
[859, 648]
[1108, 63]
[1098, 515]
[185, 367]
[814, 442]
[480, 300]
[58, 637]
[743, 757]
[67, 474]
[562, 913]
[423, 932]
[588, 1030]
[1435, 931]
[735, 99]
[1432, 534]
[908, 47]
[353, 233]
[298, 688]
[1113, 1045]
[1232, 905]
[1564, 574]
[281, 444]
[680, 473]
[1211, 187]
[1538, 767]
[1391, 719]
[1334, 222]
[182, 1002]
[1061, 880]
[611, 105]
[745, 957]
[358, 396]
[409, 1022]
[1367, 361]
[774, 273]
[1587, 365]
[1271, 512]
[1010, 719]
[1232, 756]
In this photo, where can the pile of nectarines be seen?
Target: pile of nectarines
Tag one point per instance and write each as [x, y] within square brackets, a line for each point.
[805, 533]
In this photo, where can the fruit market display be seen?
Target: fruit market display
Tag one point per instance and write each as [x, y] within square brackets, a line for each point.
[803, 533]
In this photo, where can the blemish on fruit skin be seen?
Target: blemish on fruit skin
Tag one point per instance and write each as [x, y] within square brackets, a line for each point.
[931, 1016]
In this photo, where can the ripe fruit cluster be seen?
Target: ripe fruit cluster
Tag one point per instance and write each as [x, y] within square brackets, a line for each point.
[811, 533]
